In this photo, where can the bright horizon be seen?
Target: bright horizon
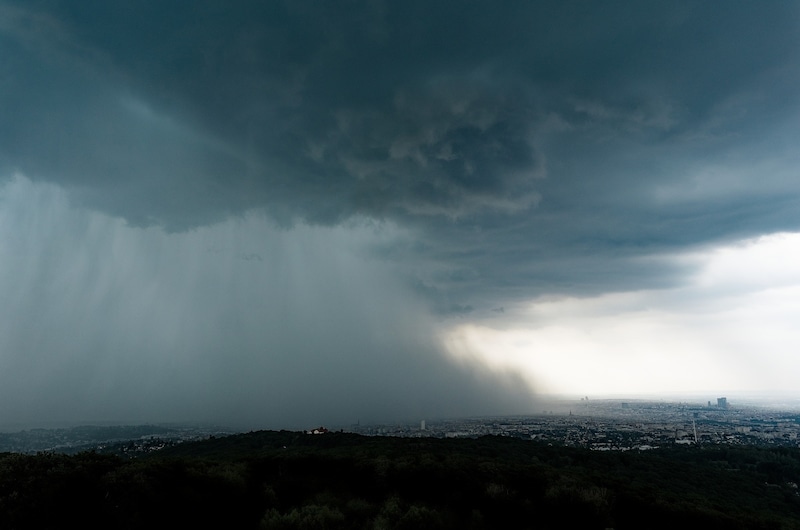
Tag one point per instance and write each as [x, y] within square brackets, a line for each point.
[730, 327]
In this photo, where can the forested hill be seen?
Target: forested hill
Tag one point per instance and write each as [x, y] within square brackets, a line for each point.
[336, 480]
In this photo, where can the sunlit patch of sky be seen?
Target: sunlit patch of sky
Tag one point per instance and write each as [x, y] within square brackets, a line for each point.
[731, 326]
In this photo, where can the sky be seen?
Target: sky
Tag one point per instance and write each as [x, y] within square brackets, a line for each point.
[290, 214]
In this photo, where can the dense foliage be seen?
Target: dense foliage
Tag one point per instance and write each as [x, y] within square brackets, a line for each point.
[283, 480]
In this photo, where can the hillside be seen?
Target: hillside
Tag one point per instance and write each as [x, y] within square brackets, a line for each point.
[292, 480]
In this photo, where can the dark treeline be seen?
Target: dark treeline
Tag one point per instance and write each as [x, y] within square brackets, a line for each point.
[277, 480]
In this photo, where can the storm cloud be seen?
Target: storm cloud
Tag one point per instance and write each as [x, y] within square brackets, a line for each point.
[176, 168]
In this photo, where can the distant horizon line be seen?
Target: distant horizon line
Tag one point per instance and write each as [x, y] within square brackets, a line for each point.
[777, 400]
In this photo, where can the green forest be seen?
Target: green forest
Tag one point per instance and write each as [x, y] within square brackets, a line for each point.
[288, 480]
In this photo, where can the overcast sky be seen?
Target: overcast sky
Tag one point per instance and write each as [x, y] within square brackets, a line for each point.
[281, 214]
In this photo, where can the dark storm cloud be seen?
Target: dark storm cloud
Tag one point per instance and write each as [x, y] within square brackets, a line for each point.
[316, 115]
[503, 152]
[507, 135]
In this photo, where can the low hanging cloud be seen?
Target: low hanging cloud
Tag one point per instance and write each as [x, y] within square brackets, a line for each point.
[247, 128]
[179, 116]
[415, 163]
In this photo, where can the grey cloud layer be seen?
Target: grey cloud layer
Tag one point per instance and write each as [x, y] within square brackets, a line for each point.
[529, 145]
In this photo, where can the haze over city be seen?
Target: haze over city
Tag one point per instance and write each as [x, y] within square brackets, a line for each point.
[284, 214]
